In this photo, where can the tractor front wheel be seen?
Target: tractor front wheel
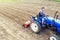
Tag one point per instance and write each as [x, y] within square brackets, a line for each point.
[53, 37]
[35, 27]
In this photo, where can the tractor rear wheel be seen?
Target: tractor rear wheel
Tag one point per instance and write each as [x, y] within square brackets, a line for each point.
[35, 27]
[53, 37]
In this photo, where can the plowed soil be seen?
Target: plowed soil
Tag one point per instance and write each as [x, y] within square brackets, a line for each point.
[12, 16]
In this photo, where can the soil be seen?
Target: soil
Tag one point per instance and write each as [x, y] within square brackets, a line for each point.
[12, 16]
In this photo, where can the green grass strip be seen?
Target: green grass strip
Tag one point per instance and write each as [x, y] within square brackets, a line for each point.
[55, 0]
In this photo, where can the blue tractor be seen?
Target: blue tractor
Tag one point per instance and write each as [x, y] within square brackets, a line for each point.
[52, 23]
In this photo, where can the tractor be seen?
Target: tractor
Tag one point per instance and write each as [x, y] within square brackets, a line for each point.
[52, 23]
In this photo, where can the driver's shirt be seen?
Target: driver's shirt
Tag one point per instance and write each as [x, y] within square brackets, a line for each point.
[41, 13]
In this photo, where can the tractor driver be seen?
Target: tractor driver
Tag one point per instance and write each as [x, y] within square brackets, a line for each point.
[41, 14]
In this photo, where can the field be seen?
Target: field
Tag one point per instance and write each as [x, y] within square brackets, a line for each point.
[12, 16]
[56, 0]
[8, 0]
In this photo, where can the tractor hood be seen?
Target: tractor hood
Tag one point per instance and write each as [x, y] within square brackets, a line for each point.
[57, 23]
[49, 20]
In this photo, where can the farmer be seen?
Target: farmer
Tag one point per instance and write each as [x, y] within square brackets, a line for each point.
[41, 14]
